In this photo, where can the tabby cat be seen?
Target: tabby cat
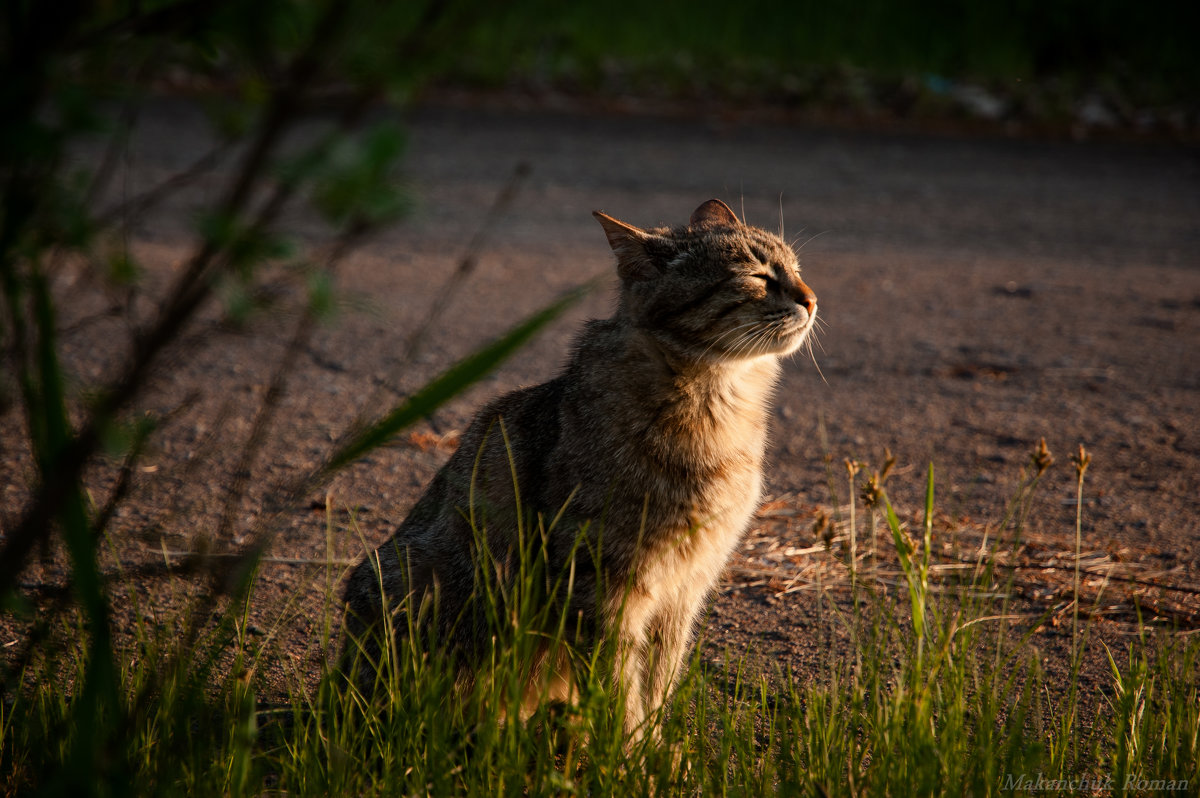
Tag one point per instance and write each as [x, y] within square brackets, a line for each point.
[647, 448]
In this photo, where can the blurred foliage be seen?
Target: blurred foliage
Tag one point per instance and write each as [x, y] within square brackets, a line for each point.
[1143, 50]
[74, 72]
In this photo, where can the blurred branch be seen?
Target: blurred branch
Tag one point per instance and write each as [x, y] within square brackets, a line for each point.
[136, 206]
[468, 262]
[190, 291]
[275, 390]
[62, 470]
[125, 477]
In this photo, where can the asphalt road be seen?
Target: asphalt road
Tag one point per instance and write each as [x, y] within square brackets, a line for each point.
[975, 296]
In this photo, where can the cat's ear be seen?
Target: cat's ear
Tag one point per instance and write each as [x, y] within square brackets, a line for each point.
[714, 213]
[629, 245]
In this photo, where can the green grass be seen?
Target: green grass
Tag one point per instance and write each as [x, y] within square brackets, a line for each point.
[940, 696]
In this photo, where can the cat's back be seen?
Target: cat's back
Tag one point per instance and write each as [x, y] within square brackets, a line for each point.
[500, 463]
[505, 451]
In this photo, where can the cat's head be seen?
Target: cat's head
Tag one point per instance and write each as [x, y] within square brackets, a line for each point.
[715, 289]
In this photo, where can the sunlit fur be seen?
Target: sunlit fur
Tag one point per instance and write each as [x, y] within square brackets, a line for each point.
[650, 443]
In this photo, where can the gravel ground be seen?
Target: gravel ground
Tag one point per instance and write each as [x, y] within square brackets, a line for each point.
[976, 295]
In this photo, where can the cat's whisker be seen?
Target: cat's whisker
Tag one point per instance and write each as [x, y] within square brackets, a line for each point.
[781, 326]
[739, 344]
[720, 337]
[754, 338]
[808, 342]
[810, 239]
[772, 329]
[756, 342]
[813, 339]
[748, 339]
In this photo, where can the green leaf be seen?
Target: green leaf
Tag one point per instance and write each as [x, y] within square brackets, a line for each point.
[244, 246]
[122, 436]
[123, 270]
[916, 588]
[99, 697]
[358, 181]
[929, 507]
[217, 229]
[237, 301]
[321, 294]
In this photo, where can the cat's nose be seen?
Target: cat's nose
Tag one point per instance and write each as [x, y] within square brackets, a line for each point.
[805, 298]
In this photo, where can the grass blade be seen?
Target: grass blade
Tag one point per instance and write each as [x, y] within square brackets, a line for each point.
[449, 384]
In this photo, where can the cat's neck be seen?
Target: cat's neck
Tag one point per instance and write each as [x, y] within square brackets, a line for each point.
[695, 397]
[715, 381]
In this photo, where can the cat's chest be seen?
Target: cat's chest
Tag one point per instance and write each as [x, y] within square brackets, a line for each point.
[690, 527]
[725, 493]
[705, 445]
[707, 477]
[665, 452]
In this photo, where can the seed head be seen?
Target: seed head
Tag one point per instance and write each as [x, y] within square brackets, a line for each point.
[889, 460]
[1081, 460]
[821, 528]
[1041, 458]
[872, 490]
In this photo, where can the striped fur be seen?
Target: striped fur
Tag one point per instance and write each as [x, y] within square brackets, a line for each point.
[650, 444]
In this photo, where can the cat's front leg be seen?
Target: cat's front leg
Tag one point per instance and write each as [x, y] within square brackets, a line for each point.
[630, 613]
[669, 635]
[628, 679]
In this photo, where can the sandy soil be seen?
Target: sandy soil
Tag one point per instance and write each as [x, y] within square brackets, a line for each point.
[976, 295]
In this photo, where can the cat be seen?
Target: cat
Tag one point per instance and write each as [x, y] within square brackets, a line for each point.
[647, 450]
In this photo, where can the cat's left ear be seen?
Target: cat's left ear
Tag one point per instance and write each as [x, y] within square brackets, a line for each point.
[629, 245]
[714, 213]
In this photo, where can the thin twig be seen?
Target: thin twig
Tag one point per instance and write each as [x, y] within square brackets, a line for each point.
[275, 391]
[185, 298]
[136, 206]
[1191, 591]
[468, 262]
[198, 557]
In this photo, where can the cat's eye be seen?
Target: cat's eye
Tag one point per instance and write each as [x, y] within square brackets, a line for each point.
[768, 279]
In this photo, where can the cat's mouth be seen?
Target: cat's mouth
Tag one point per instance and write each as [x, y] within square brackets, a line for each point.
[795, 329]
[792, 330]
[779, 336]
